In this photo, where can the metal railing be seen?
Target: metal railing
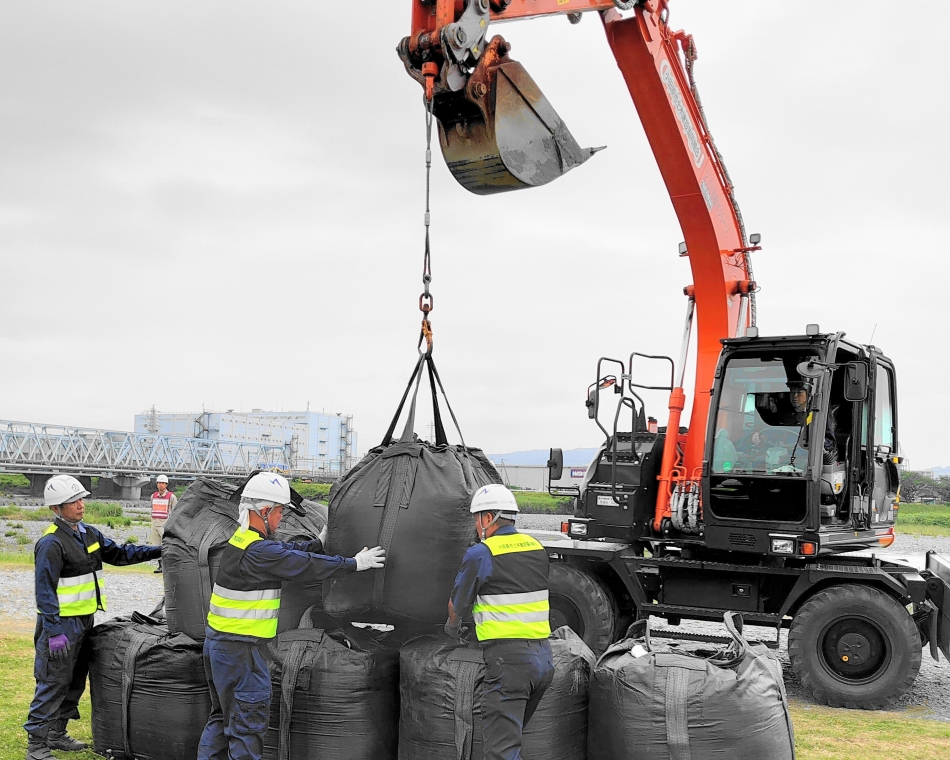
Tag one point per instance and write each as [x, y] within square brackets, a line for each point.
[28, 447]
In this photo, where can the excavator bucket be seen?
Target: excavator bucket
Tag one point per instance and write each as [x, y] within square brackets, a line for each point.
[500, 133]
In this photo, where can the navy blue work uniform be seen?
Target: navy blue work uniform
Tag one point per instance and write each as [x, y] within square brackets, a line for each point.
[503, 585]
[241, 621]
[69, 590]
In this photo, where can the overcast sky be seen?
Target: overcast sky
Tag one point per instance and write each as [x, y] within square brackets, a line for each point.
[220, 204]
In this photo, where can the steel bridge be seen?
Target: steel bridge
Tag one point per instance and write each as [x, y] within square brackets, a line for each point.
[42, 450]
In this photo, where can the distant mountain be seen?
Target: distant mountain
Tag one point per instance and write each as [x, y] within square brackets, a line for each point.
[572, 457]
[940, 472]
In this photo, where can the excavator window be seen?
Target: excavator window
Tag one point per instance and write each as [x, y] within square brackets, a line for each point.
[883, 414]
[758, 428]
[760, 443]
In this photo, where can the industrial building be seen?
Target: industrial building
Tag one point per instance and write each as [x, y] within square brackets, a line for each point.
[317, 443]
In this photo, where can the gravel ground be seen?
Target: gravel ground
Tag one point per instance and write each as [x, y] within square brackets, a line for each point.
[127, 592]
[930, 695]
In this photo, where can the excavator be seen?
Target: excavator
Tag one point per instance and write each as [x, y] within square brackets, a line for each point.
[777, 498]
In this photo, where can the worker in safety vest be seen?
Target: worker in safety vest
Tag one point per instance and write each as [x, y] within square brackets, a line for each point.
[242, 619]
[69, 590]
[163, 502]
[503, 585]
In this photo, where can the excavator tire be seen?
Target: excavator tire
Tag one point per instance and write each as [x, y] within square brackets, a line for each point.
[854, 646]
[580, 601]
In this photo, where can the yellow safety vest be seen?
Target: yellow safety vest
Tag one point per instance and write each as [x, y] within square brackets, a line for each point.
[513, 604]
[76, 590]
[247, 609]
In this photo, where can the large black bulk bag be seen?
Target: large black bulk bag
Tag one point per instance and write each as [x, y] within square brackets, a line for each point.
[441, 684]
[336, 695]
[558, 729]
[196, 533]
[412, 498]
[650, 701]
[150, 700]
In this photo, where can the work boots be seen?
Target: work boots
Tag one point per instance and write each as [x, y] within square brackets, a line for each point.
[36, 749]
[59, 739]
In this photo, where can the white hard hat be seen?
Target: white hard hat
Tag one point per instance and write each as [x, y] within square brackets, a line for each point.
[493, 498]
[161, 479]
[267, 486]
[62, 489]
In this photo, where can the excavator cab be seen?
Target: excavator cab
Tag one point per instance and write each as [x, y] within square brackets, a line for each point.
[497, 130]
[801, 447]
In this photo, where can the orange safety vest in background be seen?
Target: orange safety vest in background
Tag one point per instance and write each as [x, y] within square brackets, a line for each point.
[160, 505]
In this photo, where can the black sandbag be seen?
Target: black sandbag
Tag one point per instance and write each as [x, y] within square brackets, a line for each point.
[196, 533]
[412, 498]
[335, 695]
[440, 684]
[150, 700]
[660, 701]
[558, 729]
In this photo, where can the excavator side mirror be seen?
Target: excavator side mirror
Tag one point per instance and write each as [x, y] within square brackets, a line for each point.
[593, 402]
[555, 464]
[855, 381]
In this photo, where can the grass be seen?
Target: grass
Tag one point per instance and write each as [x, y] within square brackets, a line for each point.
[824, 733]
[97, 513]
[17, 684]
[538, 503]
[924, 515]
[314, 491]
[821, 733]
[11, 559]
[9, 481]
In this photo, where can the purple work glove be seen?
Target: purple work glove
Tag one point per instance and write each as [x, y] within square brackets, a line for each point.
[59, 646]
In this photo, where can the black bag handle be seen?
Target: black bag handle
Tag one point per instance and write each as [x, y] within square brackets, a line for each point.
[387, 437]
[435, 372]
[425, 361]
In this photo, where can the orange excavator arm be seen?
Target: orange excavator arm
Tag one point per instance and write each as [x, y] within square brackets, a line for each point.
[498, 132]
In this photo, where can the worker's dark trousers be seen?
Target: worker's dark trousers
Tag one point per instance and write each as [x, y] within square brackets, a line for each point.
[517, 672]
[238, 674]
[60, 682]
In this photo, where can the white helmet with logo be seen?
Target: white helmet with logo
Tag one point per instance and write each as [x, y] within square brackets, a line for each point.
[62, 489]
[267, 486]
[161, 479]
[494, 498]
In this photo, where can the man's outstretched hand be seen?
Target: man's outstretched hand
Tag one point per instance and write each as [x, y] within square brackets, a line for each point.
[370, 559]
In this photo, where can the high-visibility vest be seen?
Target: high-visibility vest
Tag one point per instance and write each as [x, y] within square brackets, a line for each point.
[239, 606]
[161, 505]
[80, 589]
[513, 604]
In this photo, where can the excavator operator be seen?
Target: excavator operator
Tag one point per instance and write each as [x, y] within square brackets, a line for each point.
[800, 396]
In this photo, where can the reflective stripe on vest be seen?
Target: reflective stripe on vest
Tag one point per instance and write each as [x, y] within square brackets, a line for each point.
[160, 505]
[76, 594]
[247, 613]
[522, 615]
